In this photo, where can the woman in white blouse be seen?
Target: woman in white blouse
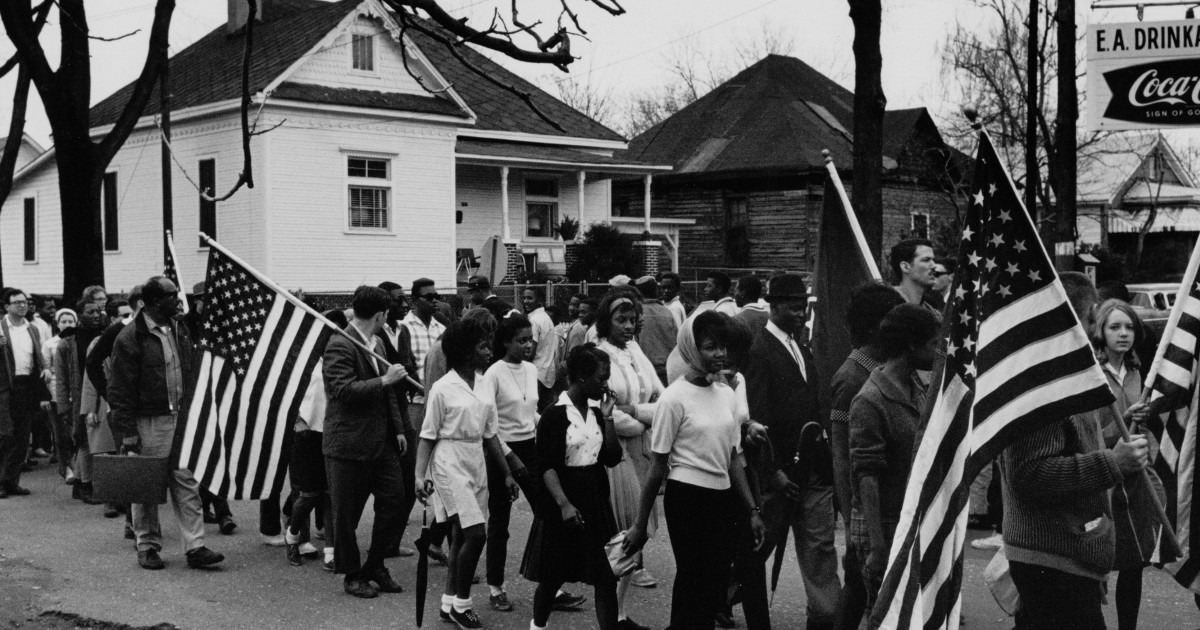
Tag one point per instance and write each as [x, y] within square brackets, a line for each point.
[636, 388]
[460, 420]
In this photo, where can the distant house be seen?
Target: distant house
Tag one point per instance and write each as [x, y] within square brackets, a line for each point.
[368, 176]
[1121, 182]
[748, 169]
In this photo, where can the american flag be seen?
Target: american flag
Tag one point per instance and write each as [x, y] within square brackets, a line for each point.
[171, 270]
[260, 349]
[1173, 399]
[1016, 358]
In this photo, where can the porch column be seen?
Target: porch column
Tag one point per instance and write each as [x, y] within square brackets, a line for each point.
[504, 201]
[582, 177]
[646, 202]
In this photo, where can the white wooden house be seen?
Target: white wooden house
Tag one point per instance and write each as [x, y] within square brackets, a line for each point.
[368, 176]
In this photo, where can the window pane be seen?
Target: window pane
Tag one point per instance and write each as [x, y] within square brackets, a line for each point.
[366, 167]
[540, 218]
[208, 209]
[30, 229]
[541, 187]
[112, 239]
[362, 51]
[368, 207]
[920, 225]
[356, 167]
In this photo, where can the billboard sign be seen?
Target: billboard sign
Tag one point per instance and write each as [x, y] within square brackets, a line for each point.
[1143, 75]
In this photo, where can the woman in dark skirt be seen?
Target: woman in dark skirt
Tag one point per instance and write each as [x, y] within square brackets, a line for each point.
[575, 442]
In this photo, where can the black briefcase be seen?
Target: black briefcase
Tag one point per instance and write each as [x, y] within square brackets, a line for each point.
[125, 479]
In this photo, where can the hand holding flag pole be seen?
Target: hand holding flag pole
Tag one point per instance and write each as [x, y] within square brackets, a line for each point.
[301, 305]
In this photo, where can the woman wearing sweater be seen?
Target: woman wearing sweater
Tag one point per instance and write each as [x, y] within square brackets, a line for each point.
[636, 388]
[696, 445]
[64, 445]
[1117, 331]
[883, 430]
[512, 385]
[576, 441]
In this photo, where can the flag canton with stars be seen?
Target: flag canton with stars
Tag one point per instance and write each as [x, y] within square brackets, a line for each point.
[237, 307]
[1001, 259]
[169, 270]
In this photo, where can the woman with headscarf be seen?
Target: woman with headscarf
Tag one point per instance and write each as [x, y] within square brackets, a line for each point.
[696, 442]
[636, 388]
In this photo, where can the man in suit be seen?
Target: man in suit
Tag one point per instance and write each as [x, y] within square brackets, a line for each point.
[782, 392]
[363, 443]
[22, 391]
[153, 373]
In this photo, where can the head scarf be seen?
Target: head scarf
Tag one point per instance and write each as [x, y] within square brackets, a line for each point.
[689, 351]
[60, 311]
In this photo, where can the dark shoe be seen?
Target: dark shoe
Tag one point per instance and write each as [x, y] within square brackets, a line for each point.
[436, 554]
[202, 557]
[978, 521]
[467, 619]
[16, 491]
[3, 493]
[725, 620]
[500, 602]
[85, 494]
[629, 624]
[444, 616]
[149, 560]
[293, 556]
[567, 601]
[384, 579]
[111, 511]
[77, 491]
[210, 518]
[227, 525]
[360, 588]
[129, 535]
[328, 566]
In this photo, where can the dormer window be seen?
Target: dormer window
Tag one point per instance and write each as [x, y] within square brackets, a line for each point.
[362, 52]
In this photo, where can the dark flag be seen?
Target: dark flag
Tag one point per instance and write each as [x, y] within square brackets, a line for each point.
[171, 271]
[1017, 358]
[260, 347]
[1171, 388]
[843, 262]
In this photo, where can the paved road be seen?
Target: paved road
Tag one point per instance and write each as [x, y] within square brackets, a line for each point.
[60, 555]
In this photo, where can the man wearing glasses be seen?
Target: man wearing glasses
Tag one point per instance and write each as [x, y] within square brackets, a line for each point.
[21, 389]
[423, 329]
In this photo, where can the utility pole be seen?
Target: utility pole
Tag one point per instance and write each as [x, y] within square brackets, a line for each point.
[164, 96]
[1067, 120]
[1031, 108]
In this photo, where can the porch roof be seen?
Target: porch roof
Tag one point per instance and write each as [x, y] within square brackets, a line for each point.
[501, 153]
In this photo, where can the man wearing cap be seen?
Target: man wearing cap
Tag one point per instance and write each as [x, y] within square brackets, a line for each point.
[658, 331]
[195, 316]
[798, 483]
[479, 293]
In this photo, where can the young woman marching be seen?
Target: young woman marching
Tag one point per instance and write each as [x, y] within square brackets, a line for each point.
[576, 441]
[460, 424]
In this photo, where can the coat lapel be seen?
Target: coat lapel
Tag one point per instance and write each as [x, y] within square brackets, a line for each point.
[9, 362]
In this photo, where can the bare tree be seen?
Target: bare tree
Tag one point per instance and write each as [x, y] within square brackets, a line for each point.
[66, 92]
[589, 98]
[869, 106]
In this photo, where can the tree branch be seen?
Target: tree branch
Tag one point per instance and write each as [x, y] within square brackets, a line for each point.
[559, 56]
[113, 39]
[16, 133]
[41, 12]
[23, 33]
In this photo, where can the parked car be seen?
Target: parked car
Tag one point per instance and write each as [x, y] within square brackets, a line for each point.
[1153, 302]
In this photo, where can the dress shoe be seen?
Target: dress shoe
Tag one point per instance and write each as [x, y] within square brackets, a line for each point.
[86, 494]
[467, 619]
[293, 556]
[129, 535]
[436, 554]
[202, 557]
[384, 579]
[111, 511]
[16, 491]
[226, 525]
[149, 559]
[500, 602]
[360, 588]
[567, 601]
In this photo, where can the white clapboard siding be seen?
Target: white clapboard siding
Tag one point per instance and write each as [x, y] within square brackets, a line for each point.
[45, 275]
[310, 244]
[332, 66]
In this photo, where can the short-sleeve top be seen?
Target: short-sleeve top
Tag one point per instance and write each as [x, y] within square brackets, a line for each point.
[698, 428]
[569, 439]
[456, 411]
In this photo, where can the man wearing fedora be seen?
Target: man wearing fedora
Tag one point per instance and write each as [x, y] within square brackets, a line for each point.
[798, 483]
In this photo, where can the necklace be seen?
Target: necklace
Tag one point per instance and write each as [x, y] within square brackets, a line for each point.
[512, 371]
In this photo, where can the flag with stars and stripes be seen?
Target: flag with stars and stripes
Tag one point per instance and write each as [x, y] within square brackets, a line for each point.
[1016, 359]
[260, 347]
[171, 270]
[1171, 388]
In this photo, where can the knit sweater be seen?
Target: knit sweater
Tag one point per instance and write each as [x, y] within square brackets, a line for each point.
[1057, 508]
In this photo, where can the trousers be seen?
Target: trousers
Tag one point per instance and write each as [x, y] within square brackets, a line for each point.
[350, 483]
[500, 508]
[1053, 600]
[158, 434]
[702, 527]
[14, 447]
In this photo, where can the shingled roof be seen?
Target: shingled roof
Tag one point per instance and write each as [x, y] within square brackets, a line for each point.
[209, 71]
[778, 114]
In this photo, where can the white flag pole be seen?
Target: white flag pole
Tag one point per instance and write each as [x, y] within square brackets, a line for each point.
[301, 305]
[851, 217]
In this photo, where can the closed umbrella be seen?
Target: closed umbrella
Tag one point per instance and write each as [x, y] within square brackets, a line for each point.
[422, 562]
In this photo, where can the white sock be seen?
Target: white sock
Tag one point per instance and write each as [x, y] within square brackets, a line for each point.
[534, 626]
[290, 538]
[462, 605]
[495, 590]
[447, 602]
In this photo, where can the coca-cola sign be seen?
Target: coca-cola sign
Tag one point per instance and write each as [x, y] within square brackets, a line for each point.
[1160, 93]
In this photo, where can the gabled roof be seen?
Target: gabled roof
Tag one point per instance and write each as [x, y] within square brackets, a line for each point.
[778, 114]
[209, 71]
[1114, 171]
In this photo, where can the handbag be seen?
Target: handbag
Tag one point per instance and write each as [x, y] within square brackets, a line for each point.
[620, 563]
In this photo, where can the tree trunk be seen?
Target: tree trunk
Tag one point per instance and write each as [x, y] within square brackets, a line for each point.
[1032, 174]
[869, 106]
[82, 237]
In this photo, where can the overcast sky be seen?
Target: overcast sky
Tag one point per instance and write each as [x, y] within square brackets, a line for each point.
[626, 54]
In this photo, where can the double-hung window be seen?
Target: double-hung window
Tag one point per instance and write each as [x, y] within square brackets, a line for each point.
[541, 207]
[369, 193]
